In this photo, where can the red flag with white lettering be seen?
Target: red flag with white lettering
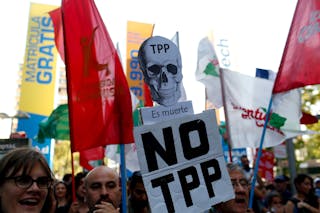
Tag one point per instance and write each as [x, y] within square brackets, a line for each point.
[300, 64]
[98, 93]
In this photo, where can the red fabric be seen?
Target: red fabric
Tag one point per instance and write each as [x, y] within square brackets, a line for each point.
[300, 65]
[308, 118]
[147, 96]
[99, 99]
[266, 165]
[58, 31]
[91, 154]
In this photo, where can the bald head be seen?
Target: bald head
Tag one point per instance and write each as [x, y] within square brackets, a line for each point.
[101, 171]
[103, 184]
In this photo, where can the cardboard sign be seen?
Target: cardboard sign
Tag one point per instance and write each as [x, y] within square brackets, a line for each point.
[150, 115]
[182, 164]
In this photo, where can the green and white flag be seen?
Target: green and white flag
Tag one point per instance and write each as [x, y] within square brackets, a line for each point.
[247, 99]
[56, 125]
[208, 72]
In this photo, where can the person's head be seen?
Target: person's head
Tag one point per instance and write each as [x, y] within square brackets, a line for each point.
[303, 184]
[60, 190]
[245, 161]
[102, 184]
[316, 183]
[241, 189]
[281, 183]
[138, 195]
[273, 200]
[67, 178]
[79, 185]
[25, 182]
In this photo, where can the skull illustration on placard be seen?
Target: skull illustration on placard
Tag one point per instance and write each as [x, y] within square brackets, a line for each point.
[160, 62]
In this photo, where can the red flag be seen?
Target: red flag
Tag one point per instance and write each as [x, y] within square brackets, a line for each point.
[147, 95]
[91, 154]
[307, 118]
[98, 93]
[58, 30]
[300, 64]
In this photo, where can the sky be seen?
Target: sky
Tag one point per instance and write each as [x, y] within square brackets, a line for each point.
[256, 31]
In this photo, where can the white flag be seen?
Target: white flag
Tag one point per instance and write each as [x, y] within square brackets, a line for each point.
[208, 72]
[246, 103]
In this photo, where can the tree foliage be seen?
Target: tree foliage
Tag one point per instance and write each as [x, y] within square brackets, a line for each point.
[310, 103]
[62, 159]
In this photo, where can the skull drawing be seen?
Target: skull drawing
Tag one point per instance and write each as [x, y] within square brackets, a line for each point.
[160, 62]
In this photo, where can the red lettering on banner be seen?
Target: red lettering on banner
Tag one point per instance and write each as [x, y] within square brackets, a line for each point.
[258, 115]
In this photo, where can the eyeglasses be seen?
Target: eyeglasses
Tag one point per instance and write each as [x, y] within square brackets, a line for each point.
[26, 181]
[241, 182]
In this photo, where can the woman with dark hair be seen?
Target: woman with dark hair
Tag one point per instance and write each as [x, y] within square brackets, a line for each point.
[62, 197]
[304, 200]
[25, 182]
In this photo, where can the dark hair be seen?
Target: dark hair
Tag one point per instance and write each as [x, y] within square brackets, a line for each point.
[269, 197]
[78, 178]
[67, 177]
[300, 178]
[23, 159]
[135, 178]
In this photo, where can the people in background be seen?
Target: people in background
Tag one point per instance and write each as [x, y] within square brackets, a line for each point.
[25, 182]
[281, 183]
[274, 203]
[316, 184]
[304, 200]
[138, 198]
[79, 205]
[245, 163]
[62, 196]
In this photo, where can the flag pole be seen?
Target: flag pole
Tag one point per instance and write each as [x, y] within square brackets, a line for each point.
[123, 177]
[225, 114]
[256, 166]
[123, 170]
[69, 99]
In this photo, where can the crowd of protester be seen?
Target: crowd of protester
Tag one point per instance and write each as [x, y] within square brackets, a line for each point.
[28, 185]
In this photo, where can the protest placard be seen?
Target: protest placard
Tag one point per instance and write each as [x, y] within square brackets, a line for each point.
[182, 164]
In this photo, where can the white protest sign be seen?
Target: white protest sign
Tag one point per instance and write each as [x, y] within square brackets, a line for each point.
[182, 164]
[151, 115]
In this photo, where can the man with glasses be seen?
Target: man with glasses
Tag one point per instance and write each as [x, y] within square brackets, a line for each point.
[25, 182]
[241, 189]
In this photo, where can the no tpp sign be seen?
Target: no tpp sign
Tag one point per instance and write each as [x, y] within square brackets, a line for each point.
[182, 164]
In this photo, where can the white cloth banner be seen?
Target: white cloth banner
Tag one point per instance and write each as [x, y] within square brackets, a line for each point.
[247, 99]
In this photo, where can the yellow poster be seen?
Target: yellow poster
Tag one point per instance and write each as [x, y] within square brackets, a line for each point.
[39, 68]
[136, 34]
